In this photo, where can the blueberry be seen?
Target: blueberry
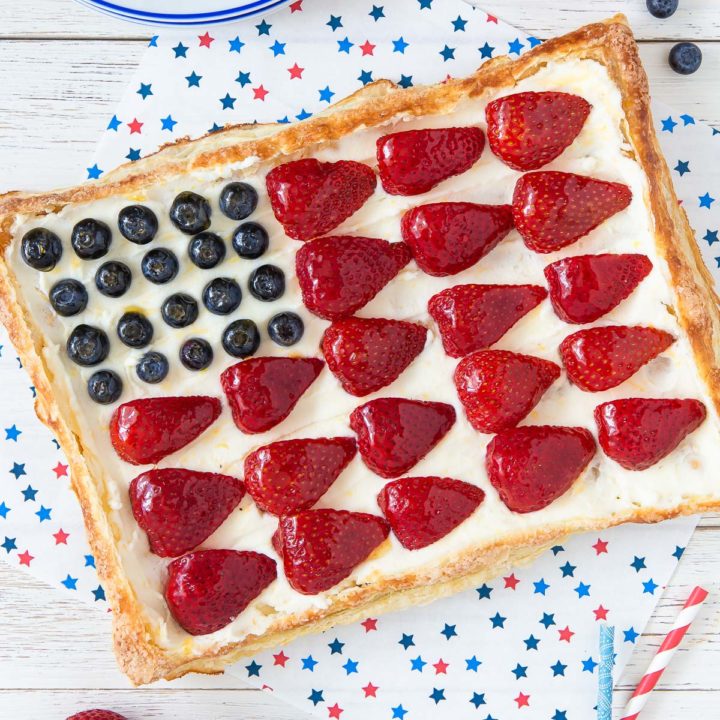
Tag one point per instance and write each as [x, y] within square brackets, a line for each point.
[190, 213]
[267, 283]
[179, 310]
[196, 354]
[286, 328]
[159, 266]
[113, 278]
[152, 367]
[250, 240]
[90, 239]
[238, 200]
[104, 387]
[134, 330]
[206, 250]
[222, 296]
[68, 297]
[87, 345]
[138, 224]
[662, 8]
[41, 249]
[685, 58]
[241, 338]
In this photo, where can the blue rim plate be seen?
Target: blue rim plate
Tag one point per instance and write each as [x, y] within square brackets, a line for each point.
[184, 13]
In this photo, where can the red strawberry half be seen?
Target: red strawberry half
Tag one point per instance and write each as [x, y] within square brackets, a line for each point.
[97, 715]
[415, 161]
[144, 431]
[179, 509]
[394, 434]
[533, 465]
[473, 317]
[601, 358]
[528, 130]
[421, 510]
[263, 391]
[310, 198]
[586, 287]
[319, 548]
[368, 354]
[208, 589]
[499, 388]
[446, 238]
[288, 476]
[637, 433]
[554, 209]
[338, 275]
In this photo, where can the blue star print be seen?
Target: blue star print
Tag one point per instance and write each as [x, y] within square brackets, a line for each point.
[559, 715]
[69, 582]
[316, 696]
[133, 154]
[98, 593]
[365, 77]
[583, 590]
[4, 510]
[253, 669]
[472, 664]
[459, 24]
[682, 167]
[437, 695]
[520, 671]
[236, 44]
[400, 45]
[448, 631]
[309, 663]
[711, 237]
[12, 433]
[406, 641]
[425, 4]
[9, 544]
[484, 591]
[94, 172]
[344, 45]
[706, 200]
[278, 48]
[153, 41]
[668, 125]
[498, 620]
[650, 587]
[303, 114]
[145, 91]
[180, 50]
[399, 712]
[114, 123]
[29, 493]
[547, 620]
[168, 123]
[558, 669]
[405, 81]
[568, 570]
[44, 513]
[350, 667]
[334, 22]
[326, 94]
[447, 53]
[638, 563]
[486, 51]
[540, 586]
[678, 553]
[588, 665]
[193, 79]
[531, 643]
[515, 46]
[417, 664]
[336, 647]
[263, 28]
[477, 699]
[89, 561]
[243, 78]
[228, 102]
[18, 470]
[630, 635]
[557, 549]
[687, 120]
[534, 42]
[377, 12]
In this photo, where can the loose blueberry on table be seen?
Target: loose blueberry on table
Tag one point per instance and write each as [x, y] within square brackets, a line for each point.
[685, 58]
[159, 266]
[662, 9]
[90, 239]
[138, 224]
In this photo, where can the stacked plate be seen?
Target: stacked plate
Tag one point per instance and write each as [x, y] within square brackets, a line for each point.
[184, 13]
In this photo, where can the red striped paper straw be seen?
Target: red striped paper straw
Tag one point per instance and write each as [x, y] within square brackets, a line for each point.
[664, 654]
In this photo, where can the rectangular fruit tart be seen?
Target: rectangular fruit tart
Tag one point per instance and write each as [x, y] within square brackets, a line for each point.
[305, 374]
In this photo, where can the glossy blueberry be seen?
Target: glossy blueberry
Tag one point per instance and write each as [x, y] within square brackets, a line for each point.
[238, 200]
[41, 249]
[196, 354]
[662, 8]
[90, 239]
[138, 224]
[250, 240]
[286, 328]
[68, 297]
[87, 345]
[222, 296]
[113, 278]
[267, 283]
[179, 310]
[159, 266]
[241, 338]
[152, 367]
[206, 250]
[134, 330]
[105, 387]
[190, 213]
[685, 58]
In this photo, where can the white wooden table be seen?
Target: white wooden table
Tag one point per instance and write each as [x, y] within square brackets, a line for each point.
[62, 69]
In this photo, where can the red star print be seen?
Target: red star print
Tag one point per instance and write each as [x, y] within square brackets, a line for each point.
[511, 581]
[259, 93]
[280, 659]
[566, 634]
[369, 624]
[267, 687]
[206, 40]
[135, 126]
[60, 470]
[296, 72]
[297, 7]
[370, 690]
[492, 18]
[601, 613]
[441, 667]
[61, 537]
[600, 547]
[367, 48]
[25, 558]
[522, 700]
[335, 711]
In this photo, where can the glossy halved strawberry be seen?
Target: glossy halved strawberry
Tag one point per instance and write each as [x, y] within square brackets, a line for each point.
[338, 275]
[586, 287]
[97, 715]
[319, 548]
[179, 509]
[415, 161]
[499, 388]
[473, 317]
[310, 198]
[530, 129]
[206, 590]
[639, 432]
[288, 476]
[263, 391]
[144, 431]
[368, 354]
[421, 510]
[603, 357]
[449, 237]
[532, 465]
[554, 209]
[394, 434]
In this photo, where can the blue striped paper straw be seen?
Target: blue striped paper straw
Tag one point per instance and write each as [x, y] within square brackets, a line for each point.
[605, 680]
